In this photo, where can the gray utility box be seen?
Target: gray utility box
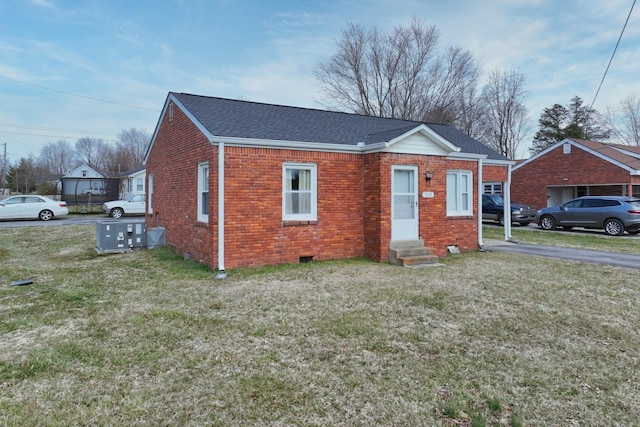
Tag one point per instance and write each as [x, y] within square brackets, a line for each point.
[155, 237]
[120, 236]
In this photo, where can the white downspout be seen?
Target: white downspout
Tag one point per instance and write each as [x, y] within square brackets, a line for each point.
[480, 191]
[221, 273]
[507, 206]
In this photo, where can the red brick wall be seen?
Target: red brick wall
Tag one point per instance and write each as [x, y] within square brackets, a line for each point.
[437, 230]
[173, 162]
[255, 233]
[529, 182]
[354, 201]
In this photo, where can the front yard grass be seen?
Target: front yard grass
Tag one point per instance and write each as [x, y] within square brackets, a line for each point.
[147, 338]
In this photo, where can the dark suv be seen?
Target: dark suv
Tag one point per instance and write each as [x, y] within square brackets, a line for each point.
[493, 209]
[614, 214]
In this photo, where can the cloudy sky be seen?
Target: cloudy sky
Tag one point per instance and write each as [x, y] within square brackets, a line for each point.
[70, 69]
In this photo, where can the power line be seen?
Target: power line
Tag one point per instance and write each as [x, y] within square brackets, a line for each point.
[612, 55]
[79, 95]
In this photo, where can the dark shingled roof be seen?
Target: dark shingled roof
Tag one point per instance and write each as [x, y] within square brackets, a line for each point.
[243, 119]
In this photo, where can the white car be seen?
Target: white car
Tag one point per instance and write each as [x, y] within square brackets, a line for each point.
[133, 204]
[32, 207]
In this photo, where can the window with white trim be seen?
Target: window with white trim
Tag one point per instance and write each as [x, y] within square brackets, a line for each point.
[139, 184]
[203, 192]
[492, 188]
[459, 193]
[150, 195]
[299, 192]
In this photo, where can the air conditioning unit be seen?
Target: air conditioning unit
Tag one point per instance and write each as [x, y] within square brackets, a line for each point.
[120, 236]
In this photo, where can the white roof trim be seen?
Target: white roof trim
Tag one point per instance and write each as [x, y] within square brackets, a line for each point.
[284, 145]
[466, 156]
[542, 153]
[429, 133]
[582, 147]
[454, 151]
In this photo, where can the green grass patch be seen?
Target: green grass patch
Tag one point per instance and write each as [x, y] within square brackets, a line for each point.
[486, 339]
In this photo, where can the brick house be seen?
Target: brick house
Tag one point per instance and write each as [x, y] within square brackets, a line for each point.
[573, 168]
[237, 183]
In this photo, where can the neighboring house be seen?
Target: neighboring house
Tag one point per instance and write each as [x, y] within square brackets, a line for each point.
[237, 183]
[133, 181]
[573, 168]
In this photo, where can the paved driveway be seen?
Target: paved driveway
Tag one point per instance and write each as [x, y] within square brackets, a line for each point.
[557, 252]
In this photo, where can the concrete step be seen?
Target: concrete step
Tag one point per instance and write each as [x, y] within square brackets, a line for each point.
[410, 253]
[417, 261]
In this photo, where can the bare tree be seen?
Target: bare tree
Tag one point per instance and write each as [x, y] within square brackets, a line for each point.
[57, 157]
[131, 147]
[625, 121]
[472, 116]
[400, 74]
[506, 115]
[94, 152]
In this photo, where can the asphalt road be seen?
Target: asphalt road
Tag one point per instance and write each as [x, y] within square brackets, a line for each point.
[71, 220]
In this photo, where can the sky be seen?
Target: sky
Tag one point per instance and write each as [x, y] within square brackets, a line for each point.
[71, 69]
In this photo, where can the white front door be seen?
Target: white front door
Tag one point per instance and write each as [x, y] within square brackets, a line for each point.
[404, 203]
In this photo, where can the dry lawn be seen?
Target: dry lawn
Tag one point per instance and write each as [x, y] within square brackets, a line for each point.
[147, 338]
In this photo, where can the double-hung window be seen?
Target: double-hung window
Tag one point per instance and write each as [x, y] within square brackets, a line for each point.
[459, 193]
[150, 194]
[299, 192]
[203, 192]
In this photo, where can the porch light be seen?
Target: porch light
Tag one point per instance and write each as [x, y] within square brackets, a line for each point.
[428, 176]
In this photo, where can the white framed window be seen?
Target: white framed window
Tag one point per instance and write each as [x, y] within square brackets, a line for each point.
[203, 192]
[139, 184]
[492, 188]
[459, 193]
[150, 195]
[299, 192]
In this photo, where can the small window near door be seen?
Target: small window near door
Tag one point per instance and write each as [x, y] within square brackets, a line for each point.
[459, 193]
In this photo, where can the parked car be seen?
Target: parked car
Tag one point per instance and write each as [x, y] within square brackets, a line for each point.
[133, 204]
[32, 206]
[614, 214]
[493, 210]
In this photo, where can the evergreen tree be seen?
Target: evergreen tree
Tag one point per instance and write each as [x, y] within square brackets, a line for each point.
[21, 177]
[573, 121]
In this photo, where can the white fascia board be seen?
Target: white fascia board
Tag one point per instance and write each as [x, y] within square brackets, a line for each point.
[430, 134]
[191, 117]
[603, 156]
[285, 145]
[171, 98]
[466, 156]
[627, 152]
[498, 162]
[543, 152]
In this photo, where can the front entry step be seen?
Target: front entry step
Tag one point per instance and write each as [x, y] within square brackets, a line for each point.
[410, 253]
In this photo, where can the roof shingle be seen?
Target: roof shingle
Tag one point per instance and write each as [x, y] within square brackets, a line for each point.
[244, 119]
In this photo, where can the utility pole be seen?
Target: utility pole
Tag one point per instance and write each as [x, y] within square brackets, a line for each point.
[4, 162]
